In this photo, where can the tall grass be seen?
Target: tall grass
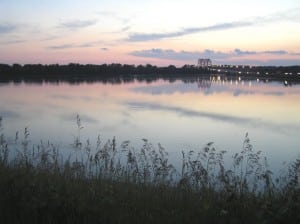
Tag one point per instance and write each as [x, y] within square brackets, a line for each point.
[117, 183]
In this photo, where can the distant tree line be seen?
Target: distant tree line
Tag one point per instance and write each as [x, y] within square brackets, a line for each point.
[116, 73]
[88, 72]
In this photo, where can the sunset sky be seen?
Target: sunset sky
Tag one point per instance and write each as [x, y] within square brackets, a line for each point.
[160, 32]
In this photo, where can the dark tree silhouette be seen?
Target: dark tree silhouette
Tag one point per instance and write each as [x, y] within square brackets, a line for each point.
[116, 72]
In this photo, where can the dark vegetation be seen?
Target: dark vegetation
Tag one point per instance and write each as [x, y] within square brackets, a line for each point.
[117, 183]
[125, 73]
[78, 72]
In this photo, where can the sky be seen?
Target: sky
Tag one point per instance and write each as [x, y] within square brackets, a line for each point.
[158, 32]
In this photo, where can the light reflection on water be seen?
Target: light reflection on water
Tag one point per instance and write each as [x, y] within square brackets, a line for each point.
[179, 115]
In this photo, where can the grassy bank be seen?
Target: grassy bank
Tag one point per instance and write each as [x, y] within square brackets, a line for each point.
[117, 183]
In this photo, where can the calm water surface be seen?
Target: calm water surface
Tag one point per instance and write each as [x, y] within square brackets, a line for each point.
[179, 115]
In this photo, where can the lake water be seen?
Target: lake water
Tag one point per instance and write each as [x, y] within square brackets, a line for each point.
[180, 115]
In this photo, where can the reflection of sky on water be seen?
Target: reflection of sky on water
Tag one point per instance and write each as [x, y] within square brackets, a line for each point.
[8, 114]
[70, 117]
[235, 88]
[178, 115]
[257, 123]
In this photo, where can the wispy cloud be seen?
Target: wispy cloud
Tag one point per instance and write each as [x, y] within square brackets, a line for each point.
[77, 24]
[115, 16]
[7, 28]
[106, 13]
[61, 47]
[289, 15]
[18, 41]
[191, 55]
[85, 45]
[240, 52]
[277, 52]
[292, 15]
[136, 37]
[82, 45]
[125, 28]
[273, 62]
[178, 55]
[124, 22]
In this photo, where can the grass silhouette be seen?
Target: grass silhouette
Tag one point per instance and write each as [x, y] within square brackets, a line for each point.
[112, 183]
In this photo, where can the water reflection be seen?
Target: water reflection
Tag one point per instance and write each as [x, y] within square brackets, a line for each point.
[9, 114]
[242, 121]
[177, 113]
[70, 117]
[217, 85]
